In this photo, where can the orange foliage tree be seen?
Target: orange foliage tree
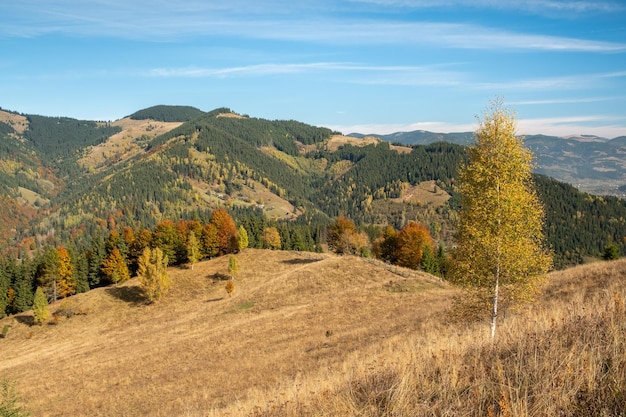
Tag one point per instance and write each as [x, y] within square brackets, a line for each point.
[114, 267]
[66, 285]
[226, 231]
[411, 241]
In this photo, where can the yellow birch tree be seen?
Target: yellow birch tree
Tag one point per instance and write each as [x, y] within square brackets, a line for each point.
[500, 253]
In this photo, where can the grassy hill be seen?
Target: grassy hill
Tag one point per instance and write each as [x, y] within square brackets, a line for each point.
[316, 334]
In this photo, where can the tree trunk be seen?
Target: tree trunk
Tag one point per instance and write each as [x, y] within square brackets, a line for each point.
[494, 312]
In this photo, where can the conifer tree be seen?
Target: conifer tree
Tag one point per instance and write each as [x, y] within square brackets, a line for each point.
[114, 267]
[40, 306]
[9, 401]
[66, 285]
[233, 266]
[193, 249]
[153, 276]
[500, 250]
[242, 238]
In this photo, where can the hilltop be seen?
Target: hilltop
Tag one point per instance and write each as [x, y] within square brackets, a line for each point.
[316, 334]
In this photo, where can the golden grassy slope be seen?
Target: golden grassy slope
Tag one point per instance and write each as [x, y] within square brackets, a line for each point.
[292, 315]
[319, 335]
[123, 145]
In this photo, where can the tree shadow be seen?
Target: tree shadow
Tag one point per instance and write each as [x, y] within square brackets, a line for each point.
[24, 319]
[131, 295]
[300, 261]
[212, 300]
[218, 276]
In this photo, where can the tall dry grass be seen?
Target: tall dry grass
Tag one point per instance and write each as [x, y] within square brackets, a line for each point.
[565, 355]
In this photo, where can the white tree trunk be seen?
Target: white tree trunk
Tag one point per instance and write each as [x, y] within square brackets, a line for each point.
[494, 312]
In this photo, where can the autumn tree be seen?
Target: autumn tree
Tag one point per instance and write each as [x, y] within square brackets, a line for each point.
[193, 249]
[271, 238]
[411, 241]
[65, 274]
[166, 237]
[226, 231]
[40, 306]
[233, 266]
[152, 272]
[385, 247]
[242, 238]
[208, 241]
[500, 250]
[343, 238]
[114, 267]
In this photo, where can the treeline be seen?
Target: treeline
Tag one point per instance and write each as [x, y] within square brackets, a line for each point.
[163, 113]
[79, 265]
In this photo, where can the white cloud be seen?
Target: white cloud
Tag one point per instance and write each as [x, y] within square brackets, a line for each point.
[165, 20]
[541, 7]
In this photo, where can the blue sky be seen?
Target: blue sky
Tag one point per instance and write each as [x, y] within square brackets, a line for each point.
[371, 66]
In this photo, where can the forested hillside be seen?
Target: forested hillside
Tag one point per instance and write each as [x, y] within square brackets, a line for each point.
[266, 173]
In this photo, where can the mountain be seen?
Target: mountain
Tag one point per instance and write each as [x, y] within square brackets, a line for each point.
[591, 163]
[65, 180]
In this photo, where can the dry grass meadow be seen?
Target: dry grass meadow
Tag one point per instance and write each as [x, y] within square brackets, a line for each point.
[319, 335]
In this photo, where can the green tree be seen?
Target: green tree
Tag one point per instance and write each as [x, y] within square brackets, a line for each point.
[9, 401]
[500, 250]
[153, 276]
[611, 252]
[40, 306]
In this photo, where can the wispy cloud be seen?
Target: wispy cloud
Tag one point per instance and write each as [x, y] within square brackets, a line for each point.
[358, 73]
[565, 100]
[240, 19]
[600, 125]
[565, 82]
[540, 7]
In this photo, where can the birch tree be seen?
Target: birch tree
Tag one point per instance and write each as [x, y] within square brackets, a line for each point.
[500, 253]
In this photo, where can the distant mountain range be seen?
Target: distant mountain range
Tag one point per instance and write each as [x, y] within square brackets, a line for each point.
[591, 163]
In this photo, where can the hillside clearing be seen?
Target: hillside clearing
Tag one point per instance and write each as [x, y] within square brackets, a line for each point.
[126, 143]
[291, 314]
